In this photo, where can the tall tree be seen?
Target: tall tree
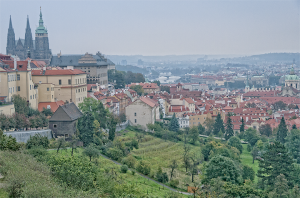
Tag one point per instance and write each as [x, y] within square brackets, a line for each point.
[275, 161]
[112, 124]
[201, 129]
[265, 130]
[138, 88]
[86, 128]
[279, 105]
[21, 105]
[194, 134]
[281, 188]
[173, 166]
[174, 125]
[229, 129]
[186, 156]
[293, 144]
[209, 126]
[294, 126]
[282, 131]
[242, 127]
[251, 136]
[219, 125]
[236, 142]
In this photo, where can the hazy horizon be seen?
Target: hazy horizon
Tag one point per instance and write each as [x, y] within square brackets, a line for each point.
[159, 28]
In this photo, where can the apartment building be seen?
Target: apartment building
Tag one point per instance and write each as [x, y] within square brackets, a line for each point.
[68, 85]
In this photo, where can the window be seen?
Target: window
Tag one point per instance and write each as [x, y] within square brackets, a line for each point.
[19, 88]
[76, 81]
[30, 97]
[59, 82]
[13, 89]
[47, 88]
[134, 120]
[18, 76]
[52, 96]
[54, 126]
[69, 81]
[134, 114]
[30, 87]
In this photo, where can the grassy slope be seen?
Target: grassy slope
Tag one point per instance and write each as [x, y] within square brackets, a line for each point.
[158, 152]
[143, 184]
[246, 159]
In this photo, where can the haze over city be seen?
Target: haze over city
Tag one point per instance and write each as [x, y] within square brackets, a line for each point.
[159, 27]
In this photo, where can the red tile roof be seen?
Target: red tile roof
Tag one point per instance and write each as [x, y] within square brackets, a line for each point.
[148, 101]
[56, 72]
[53, 105]
[178, 108]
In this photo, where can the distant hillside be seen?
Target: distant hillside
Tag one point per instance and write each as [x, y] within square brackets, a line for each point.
[281, 57]
[131, 68]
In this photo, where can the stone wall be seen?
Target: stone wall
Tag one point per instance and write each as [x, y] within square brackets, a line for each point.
[23, 136]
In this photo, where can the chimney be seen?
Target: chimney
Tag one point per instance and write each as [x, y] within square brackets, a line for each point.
[15, 63]
[28, 64]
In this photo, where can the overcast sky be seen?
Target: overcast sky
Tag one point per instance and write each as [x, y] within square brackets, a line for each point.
[159, 27]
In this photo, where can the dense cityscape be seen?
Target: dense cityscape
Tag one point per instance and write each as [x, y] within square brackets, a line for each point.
[96, 125]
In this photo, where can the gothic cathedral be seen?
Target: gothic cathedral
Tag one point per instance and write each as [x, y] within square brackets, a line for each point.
[24, 48]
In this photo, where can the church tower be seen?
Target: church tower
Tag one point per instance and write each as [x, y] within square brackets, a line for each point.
[11, 42]
[247, 88]
[28, 44]
[292, 80]
[42, 50]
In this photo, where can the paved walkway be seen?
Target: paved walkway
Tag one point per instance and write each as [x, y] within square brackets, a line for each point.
[146, 177]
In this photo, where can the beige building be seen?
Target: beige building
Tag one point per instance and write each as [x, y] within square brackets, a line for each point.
[67, 85]
[143, 111]
[8, 109]
[16, 79]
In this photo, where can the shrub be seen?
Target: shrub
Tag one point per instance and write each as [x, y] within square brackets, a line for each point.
[143, 168]
[162, 177]
[115, 153]
[37, 152]
[37, 140]
[91, 151]
[129, 161]
[9, 143]
[174, 183]
[124, 168]
[133, 172]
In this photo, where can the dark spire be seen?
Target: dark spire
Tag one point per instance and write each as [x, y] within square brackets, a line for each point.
[11, 42]
[28, 44]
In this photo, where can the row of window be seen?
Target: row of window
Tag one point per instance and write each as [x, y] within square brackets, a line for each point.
[82, 90]
[81, 99]
[13, 77]
[32, 96]
[80, 81]
[52, 89]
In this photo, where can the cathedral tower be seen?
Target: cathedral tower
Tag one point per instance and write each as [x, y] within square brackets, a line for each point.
[11, 42]
[42, 50]
[28, 44]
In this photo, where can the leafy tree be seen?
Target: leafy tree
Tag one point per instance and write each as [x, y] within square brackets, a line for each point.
[138, 88]
[91, 151]
[86, 128]
[193, 167]
[124, 168]
[193, 134]
[254, 153]
[236, 142]
[20, 120]
[122, 117]
[157, 82]
[282, 131]
[115, 153]
[174, 125]
[60, 144]
[275, 161]
[265, 130]
[219, 125]
[173, 166]
[209, 126]
[47, 112]
[248, 173]
[161, 176]
[229, 129]
[281, 188]
[293, 144]
[201, 129]
[224, 168]
[112, 123]
[21, 105]
[251, 136]
[37, 140]
[279, 105]
[165, 88]
[8, 142]
[143, 167]
[130, 161]
[295, 192]
[242, 127]
[294, 126]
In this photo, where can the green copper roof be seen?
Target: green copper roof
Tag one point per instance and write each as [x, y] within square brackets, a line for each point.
[292, 75]
[41, 29]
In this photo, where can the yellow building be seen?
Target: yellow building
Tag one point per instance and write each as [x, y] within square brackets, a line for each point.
[197, 119]
[16, 79]
[68, 84]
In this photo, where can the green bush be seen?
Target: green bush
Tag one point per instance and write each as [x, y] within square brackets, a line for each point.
[115, 153]
[9, 143]
[174, 183]
[143, 168]
[37, 140]
[133, 172]
[129, 161]
[37, 152]
[124, 168]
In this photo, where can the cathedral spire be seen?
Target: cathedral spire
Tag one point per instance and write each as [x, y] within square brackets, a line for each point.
[10, 45]
[41, 29]
[10, 23]
[28, 44]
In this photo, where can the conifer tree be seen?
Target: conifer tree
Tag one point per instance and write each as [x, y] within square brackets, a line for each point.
[242, 127]
[229, 129]
[294, 126]
[174, 125]
[282, 131]
[275, 161]
[219, 125]
[281, 188]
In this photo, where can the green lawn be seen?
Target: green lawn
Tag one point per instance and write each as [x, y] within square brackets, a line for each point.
[143, 185]
[3, 193]
[246, 159]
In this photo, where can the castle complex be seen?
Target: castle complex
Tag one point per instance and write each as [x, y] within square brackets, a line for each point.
[23, 48]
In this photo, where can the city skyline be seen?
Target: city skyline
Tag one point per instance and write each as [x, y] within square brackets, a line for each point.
[160, 28]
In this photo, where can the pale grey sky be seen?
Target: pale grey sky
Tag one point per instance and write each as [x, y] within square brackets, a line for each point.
[159, 27]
